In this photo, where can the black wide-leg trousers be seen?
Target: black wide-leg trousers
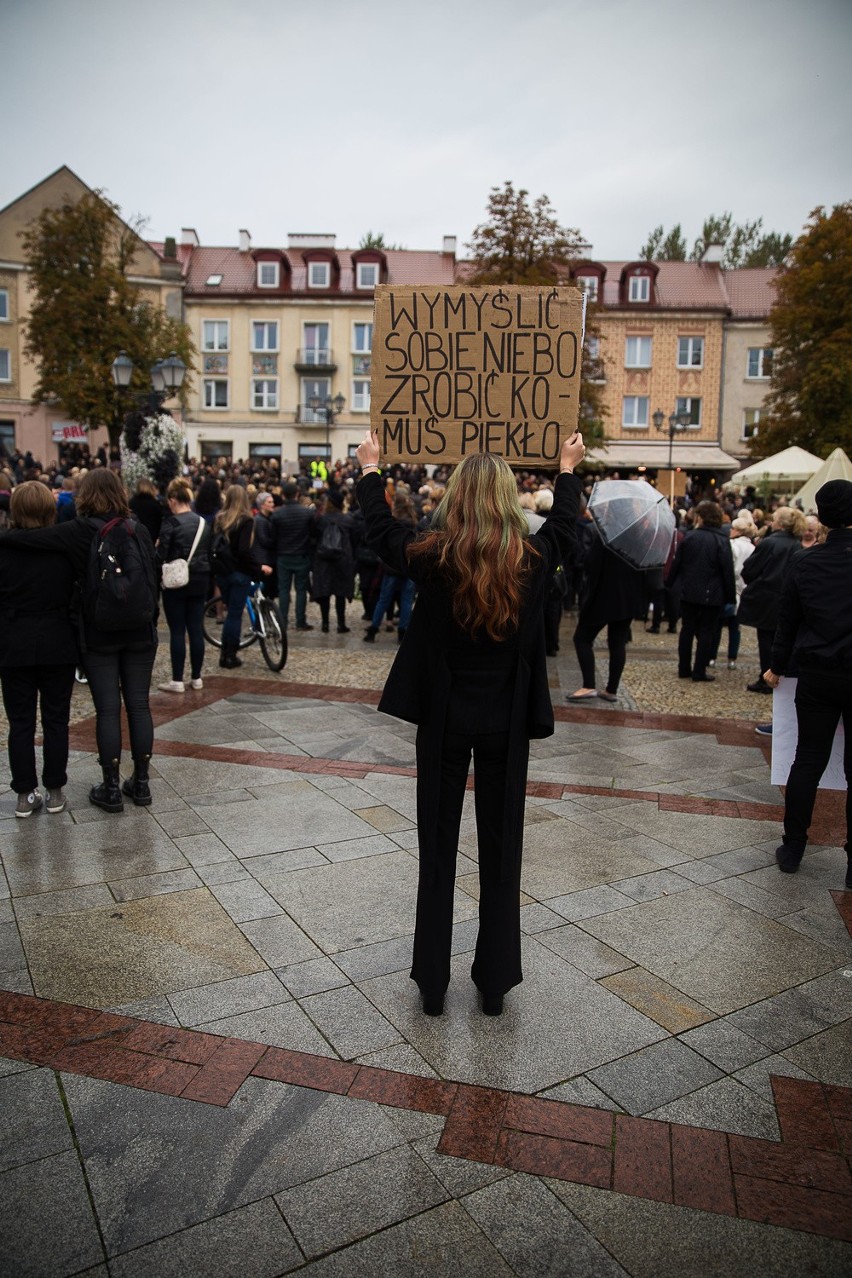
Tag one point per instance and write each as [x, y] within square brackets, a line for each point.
[497, 961]
[821, 700]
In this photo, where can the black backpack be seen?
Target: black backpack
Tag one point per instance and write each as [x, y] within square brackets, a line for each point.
[121, 584]
[330, 546]
[222, 558]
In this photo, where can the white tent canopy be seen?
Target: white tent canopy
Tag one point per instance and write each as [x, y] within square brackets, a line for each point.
[787, 469]
[836, 466]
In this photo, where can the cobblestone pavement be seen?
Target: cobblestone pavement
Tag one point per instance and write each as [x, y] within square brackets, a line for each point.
[213, 1061]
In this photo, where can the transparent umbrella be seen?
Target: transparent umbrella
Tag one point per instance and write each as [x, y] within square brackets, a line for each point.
[634, 520]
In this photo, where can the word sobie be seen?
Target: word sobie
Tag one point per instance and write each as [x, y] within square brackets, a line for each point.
[461, 370]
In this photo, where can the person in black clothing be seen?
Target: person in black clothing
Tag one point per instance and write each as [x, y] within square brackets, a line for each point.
[184, 606]
[814, 633]
[334, 576]
[264, 537]
[471, 672]
[118, 662]
[764, 574]
[38, 654]
[703, 574]
[614, 592]
[293, 524]
[145, 505]
[236, 522]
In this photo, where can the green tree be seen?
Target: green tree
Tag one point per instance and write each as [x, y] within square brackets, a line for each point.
[810, 397]
[376, 240]
[744, 244]
[85, 309]
[522, 242]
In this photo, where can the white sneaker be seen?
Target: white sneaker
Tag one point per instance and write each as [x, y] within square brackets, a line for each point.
[732, 665]
[196, 684]
[55, 800]
[28, 804]
[173, 685]
[712, 663]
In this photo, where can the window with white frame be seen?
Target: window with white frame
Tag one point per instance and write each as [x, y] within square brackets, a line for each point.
[264, 335]
[264, 393]
[268, 274]
[639, 289]
[4, 304]
[589, 284]
[362, 338]
[690, 352]
[319, 274]
[216, 335]
[634, 411]
[316, 345]
[637, 352]
[215, 392]
[5, 366]
[213, 281]
[691, 406]
[361, 395]
[760, 362]
[751, 418]
[367, 275]
[314, 388]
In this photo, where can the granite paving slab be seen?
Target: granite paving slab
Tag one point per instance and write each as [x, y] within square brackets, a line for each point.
[32, 1119]
[311, 977]
[278, 1025]
[35, 1241]
[650, 1078]
[227, 998]
[349, 1021]
[278, 822]
[124, 847]
[718, 952]
[136, 949]
[561, 857]
[693, 833]
[726, 1105]
[827, 1055]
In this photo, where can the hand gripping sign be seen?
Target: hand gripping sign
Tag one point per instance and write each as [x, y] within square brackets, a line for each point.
[457, 371]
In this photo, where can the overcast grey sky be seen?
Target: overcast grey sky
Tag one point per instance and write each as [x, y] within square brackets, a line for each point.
[394, 116]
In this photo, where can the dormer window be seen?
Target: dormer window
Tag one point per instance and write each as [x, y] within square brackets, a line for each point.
[589, 285]
[213, 281]
[367, 275]
[639, 289]
[268, 274]
[319, 274]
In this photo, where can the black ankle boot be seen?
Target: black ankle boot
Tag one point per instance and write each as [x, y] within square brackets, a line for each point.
[370, 636]
[107, 795]
[229, 659]
[789, 857]
[136, 787]
[492, 1004]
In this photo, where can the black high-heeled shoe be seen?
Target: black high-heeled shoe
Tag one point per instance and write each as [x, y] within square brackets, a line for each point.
[492, 1004]
[433, 1004]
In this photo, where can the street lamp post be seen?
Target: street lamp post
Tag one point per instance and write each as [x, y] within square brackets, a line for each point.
[331, 408]
[166, 378]
[677, 422]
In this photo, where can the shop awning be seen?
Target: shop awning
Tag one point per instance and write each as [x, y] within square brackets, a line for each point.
[692, 456]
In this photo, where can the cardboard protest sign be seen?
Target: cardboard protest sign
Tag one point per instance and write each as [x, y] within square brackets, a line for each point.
[457, 371]
[785, 736]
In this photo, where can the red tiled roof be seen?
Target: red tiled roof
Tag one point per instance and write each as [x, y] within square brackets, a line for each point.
[751, 291]
[239, 271]
[184, 252]
[679, 284]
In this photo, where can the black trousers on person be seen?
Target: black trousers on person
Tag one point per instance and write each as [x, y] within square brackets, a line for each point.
[497, 961]
[698, 623]
[616, 641]
[821, 700]
[24, 689]
[122, 676]
[185, 614]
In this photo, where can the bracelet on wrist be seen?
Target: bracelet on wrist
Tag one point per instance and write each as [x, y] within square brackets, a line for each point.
[370, 466]
[567, 471]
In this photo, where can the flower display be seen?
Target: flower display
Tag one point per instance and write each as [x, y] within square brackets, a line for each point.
[151, 448]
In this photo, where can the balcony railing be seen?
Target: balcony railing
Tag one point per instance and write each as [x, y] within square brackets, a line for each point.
[315, 357]
[307, 416]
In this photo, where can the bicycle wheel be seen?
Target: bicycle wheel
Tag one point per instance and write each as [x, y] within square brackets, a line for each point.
[211, 624]
[273, 642]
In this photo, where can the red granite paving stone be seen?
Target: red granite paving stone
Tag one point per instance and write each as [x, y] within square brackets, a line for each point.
[816, 1168]
[106, 1026]
[225, 1072]
[839, 1099]
[701, 1170]
[843, 901]
[761, 811]
[643, 1164]
[305, 1070]
[549, 1156]
[561, 1119]
[698, 806]
[191, 1046]
[37, 1043]
[133, 1069]
[473, 1125]
[813, 1211]
[405, 1091]
[843, 1127]
[803, 1113]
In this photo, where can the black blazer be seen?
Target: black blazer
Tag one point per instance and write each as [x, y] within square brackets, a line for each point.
[35, 594]
[765, 575]
[703, 569]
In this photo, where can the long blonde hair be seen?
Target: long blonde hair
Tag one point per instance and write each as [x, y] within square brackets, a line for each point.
[479, 534]
[234, 510]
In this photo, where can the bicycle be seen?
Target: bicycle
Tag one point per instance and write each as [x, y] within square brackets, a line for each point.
[261, 622]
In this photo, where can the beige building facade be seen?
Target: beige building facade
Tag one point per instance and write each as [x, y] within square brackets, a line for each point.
[748, 359]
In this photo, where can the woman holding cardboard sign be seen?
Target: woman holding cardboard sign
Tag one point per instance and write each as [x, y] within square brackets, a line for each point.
[471, 673]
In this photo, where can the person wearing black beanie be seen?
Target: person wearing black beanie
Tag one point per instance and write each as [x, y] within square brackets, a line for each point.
[815, 632]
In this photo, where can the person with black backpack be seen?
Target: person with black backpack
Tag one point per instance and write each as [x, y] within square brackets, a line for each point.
[333, 568]
[112, 559]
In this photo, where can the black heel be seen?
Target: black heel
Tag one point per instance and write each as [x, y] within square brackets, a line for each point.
[492, 1004]
[433, 1004]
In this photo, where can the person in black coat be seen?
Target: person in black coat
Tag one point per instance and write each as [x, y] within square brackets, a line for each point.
[471, 672]
[614, 592]
[703, 575]
[814, 633]
[38, 654]
[118, 662]
[264, 541]
[145, 505]
[294, 526]
[184, 606]
[765, 575]
[334, 576]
